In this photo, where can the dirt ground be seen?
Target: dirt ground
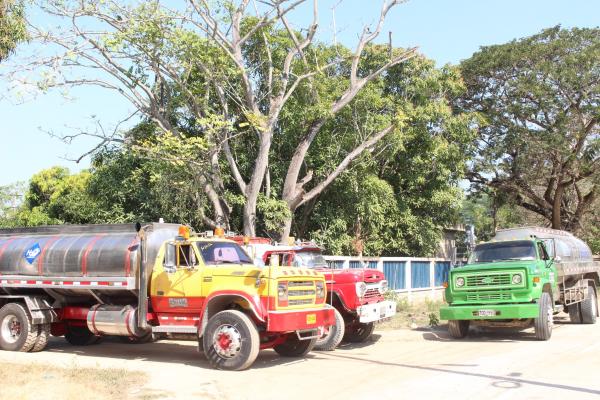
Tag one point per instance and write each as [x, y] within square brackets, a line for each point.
[397, 363]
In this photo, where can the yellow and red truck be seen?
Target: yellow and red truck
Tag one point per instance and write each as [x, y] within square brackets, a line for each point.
[137, 281]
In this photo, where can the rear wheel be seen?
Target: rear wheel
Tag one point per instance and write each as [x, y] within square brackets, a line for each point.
[81, 336]
[231, 341]
[589, 307]
[545, 320]
[575, 313]
[294, 347]
[359, 332]
[42, 339]
[333, 335]
[458, 329]
[17, 333]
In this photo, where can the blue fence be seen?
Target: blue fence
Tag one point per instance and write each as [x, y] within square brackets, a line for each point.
[402, 273]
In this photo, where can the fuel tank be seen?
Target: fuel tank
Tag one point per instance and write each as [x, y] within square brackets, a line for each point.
[70, 252]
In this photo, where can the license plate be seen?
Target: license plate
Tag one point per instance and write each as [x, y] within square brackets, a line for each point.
[486, 313]
[311, 318]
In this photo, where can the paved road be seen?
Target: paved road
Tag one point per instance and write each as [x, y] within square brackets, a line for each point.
[398, 364]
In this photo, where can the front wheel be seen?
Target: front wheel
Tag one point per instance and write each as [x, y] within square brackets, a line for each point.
[458, 329]
[294, 347]
[333, 334]
[17, 333]
[231, 341]
[544, 322]
[359, 332]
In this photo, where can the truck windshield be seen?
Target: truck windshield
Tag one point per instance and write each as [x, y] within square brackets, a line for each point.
[309, 259]
[223, 253]
[500, 251]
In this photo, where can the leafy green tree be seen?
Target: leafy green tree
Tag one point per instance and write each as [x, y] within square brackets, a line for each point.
[12, 26]
[54, 196]
[539, 99]
[219, 71]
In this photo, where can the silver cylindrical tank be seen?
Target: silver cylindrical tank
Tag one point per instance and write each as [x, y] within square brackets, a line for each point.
[93, 251]
[564, 244]
[114, 320]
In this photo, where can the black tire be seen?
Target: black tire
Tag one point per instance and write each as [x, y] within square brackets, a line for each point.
[42, 339]
[17, 333]
[575, 313]
[589, 307]
[543, 323]
[231, 341]
[359, 332]
[81, 336]
[294, 347]
[333, 334]
[458, 329]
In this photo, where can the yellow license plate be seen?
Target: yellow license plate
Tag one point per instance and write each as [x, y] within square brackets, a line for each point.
[311, 318]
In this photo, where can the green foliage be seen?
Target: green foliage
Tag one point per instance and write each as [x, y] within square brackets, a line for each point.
[397, 199]
[13, 28]
[538, 99]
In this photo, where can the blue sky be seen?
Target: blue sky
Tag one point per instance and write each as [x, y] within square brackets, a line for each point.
[445, 30]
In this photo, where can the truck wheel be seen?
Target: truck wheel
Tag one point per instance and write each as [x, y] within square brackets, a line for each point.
[359, 332]
[589, 307]
[458, 329]
[294, 347]
[575, 313]
[81, 336]
[42, 339]
[17, 333]
[231, 340]
[333, 335]
[543, 323]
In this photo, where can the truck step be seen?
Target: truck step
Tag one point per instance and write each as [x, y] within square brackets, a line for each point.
[558, 308]
[175, 329]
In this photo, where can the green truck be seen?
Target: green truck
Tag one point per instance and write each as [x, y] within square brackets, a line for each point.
[521, 278]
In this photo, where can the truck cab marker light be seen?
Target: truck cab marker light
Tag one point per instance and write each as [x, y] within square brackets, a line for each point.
[536, 279]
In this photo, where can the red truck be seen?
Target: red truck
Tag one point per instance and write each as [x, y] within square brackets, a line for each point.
[356, 294]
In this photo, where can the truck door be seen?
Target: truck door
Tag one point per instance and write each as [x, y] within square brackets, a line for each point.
[174, 277]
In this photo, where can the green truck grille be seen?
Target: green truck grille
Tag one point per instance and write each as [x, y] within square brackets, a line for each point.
[488, 280]
[488, 296]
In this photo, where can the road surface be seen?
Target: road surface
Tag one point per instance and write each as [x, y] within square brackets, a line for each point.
[396, 364]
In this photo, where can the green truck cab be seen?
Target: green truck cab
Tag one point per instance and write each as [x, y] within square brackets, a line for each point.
[522, 278]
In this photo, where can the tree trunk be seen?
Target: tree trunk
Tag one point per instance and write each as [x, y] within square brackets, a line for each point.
[256, 181]
[556, 206]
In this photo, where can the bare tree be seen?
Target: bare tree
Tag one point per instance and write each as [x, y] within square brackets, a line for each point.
[147, 51]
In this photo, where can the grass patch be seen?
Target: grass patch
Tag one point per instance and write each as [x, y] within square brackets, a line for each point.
[37, 381]
[410, 315]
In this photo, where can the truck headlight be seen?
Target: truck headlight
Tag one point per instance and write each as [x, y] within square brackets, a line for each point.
[460, 282]
[282, 291]
[383, 286]
[320, 285]
[517, 278]
[361, 289]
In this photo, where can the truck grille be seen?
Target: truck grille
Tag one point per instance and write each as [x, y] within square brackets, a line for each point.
[293, 284]
[488, 280]
[301, 293]
[488, 296]
[298, 302]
